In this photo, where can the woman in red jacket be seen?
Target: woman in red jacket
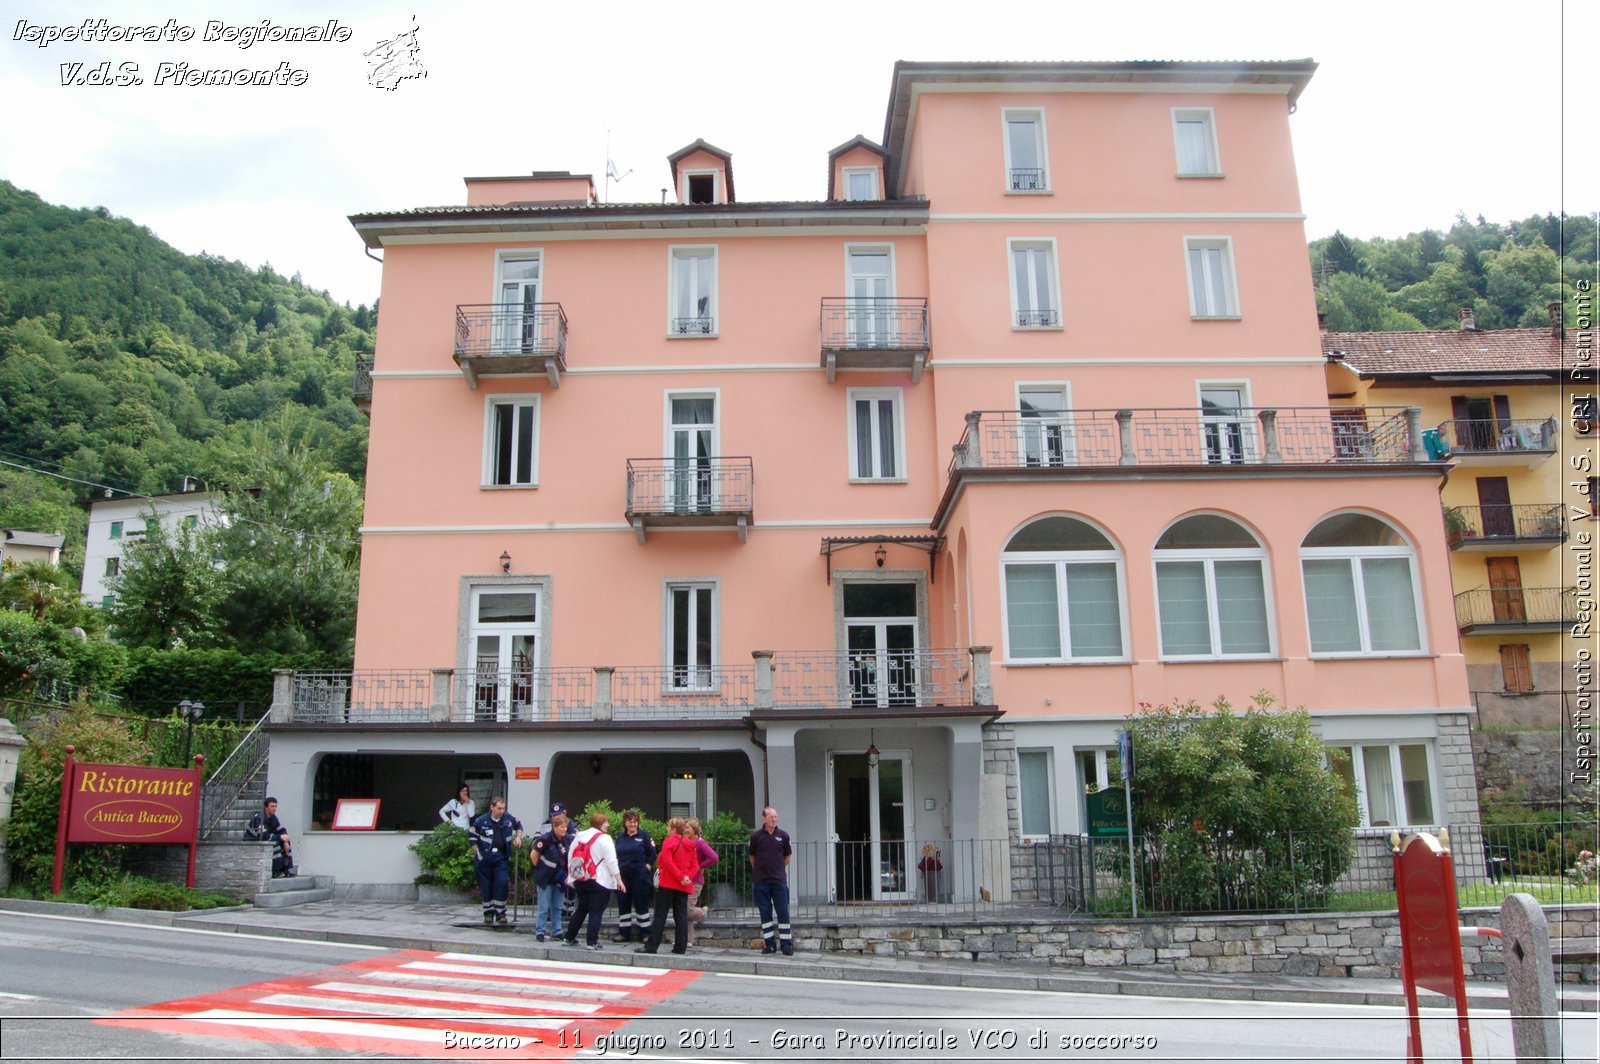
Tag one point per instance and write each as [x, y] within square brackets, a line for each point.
[678, 863]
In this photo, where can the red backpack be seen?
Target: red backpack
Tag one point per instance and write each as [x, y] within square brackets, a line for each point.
[580, 864]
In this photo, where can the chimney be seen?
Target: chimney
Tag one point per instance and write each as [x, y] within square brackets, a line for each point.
[1468, 321]
[1558, 324]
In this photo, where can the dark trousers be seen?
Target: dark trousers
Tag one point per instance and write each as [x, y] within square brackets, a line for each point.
[593, 899]
[633, 907]
[678, 902]
[770, 897]
[494, 881]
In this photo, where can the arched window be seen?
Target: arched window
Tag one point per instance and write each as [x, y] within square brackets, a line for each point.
[1063, 586]
[1361, 588]
[1211, 590]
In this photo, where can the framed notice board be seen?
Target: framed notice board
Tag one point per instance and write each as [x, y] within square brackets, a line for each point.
[356, 814]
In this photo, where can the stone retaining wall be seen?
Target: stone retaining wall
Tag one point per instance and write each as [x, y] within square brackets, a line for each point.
[234, 867]
[1347, 945]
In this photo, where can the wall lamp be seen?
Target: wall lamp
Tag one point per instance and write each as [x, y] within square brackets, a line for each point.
[872, 749]
[880, 554]
[505, 561]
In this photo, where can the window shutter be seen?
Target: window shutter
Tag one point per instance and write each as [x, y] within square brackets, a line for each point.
[1516, 669]
[1502, 411]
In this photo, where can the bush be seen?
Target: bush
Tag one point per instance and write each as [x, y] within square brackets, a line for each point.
[31, 831]
[1237, 810]
[137, 892]
[446, 856]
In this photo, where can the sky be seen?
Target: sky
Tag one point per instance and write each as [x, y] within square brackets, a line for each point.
[1419, 110]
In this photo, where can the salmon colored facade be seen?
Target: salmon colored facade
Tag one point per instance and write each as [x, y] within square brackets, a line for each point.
[885, 508]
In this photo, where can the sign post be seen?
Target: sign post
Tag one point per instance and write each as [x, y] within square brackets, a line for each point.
[1430, 931]
[127, 804]
[1125, 764]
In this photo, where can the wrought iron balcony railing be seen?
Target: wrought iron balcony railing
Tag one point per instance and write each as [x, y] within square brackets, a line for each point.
[874, 323]
[703, 326]
[1491, 436]
[361, 385]
[872, 679]
[1038, 319]
[1499, 609]
[511, 338]
[1495, 526]
[1015, 439]
[1026, 179]
[678, 492]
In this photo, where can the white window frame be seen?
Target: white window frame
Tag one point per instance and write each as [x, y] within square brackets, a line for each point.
[716, 183]
[675, 254]
[1248, 426]
[1358, 765]
[668, 437]
[874, 396]
[1050, 794]
[1356, 556]
[1042, 429]
[1230, 278]
[1041, 145]
[1062, 559]
[1210, 556]
[1207, 117]
[669, 588]
[490, 402]
[1047, 244]
[872, 173]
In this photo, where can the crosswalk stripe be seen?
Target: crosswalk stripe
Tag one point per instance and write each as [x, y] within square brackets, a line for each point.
[501, 973]
[317, 1025]
[421, 994]
[421, 980]
[378, 1009]
[538, 962]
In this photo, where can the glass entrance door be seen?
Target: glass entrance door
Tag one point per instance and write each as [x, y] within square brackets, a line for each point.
[880, 622]
[1223, 424]
[870, 825]
[504, 641]
[691, 440]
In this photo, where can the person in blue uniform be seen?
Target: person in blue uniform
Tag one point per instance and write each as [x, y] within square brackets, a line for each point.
[494, 834]
[636, 857]
[770, 850]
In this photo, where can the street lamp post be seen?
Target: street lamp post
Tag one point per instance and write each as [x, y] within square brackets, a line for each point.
[192, 711]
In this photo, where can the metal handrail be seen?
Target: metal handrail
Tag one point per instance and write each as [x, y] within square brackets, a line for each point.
[224, 785]
[510, 329]
[710, 485]
[874, 323]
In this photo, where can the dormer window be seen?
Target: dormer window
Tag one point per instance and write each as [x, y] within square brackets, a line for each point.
[700, 187]
[861, 183]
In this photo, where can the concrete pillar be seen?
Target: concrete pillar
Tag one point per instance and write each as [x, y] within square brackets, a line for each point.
[1130, 455]
[603, 675]
[439, 704]
[1269, 436]
[1530, 980]
[977, 837]
[11, 745]
[765, 698]
[282, 696]
[1419, 453]
[974, 441]
[982, 679]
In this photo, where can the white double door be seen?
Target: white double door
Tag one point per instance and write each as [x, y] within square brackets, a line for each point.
[871, 827]
[504, 641]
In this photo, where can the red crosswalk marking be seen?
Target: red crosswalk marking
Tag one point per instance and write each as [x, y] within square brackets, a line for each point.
[415, 1002]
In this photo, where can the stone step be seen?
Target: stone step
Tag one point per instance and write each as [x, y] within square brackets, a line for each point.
[293, 883]
[282, 899]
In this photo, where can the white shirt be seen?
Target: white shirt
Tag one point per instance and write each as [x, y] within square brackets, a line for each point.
[603, 851]
[458, 813]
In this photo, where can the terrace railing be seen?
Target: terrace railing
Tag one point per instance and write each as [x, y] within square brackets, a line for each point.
[1014, 439]
[1499, 524]
[1491, 435]
[1512, 608]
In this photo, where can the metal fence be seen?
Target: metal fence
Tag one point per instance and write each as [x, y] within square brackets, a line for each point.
[1491, 523]
[368, 696]
[694, 692]
[691, 486]
[873, 323]
[1516, 606]
[1482, 435]
[1292, 874]
[1014, 439]
[880, 678]
[511, 329]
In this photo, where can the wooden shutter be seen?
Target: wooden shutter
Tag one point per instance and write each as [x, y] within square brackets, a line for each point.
[1516, 669]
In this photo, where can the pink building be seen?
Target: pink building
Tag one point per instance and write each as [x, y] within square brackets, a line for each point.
[885, 508]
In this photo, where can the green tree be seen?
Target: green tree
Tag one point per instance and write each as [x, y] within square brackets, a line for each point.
[1237, 809]
[37, 588]
[1359, 304]
[170, 589]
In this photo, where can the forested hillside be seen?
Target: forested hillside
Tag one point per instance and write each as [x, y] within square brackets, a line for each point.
[126, 363]
[1508, 274]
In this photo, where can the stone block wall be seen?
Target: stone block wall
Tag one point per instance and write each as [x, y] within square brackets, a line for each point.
[1351, 945]
[234, 867]
[1535, 763]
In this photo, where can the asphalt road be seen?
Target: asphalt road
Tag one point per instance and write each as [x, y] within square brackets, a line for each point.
[224, 996]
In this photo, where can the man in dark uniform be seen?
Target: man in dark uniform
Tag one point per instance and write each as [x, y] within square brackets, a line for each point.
[493, 835]
[265, 826]
[770, 850]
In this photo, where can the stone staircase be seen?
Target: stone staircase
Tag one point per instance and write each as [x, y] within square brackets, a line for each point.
[246, 805]
[295, 890]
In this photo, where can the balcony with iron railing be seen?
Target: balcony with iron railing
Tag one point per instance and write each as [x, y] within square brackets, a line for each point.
[713, 492]
[1188, 438]
[1502, 610]
[1502, 527]
[511, 338]
[1490, 441]
[361, 386]
[780, 683]
[874, 332]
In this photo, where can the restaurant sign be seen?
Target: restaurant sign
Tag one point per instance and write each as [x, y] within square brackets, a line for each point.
[127, 804]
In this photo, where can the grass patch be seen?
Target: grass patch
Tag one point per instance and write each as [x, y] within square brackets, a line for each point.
[130, 892]
[1548, 890]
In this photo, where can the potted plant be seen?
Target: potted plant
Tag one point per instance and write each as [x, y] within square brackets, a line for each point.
[1455, 525]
